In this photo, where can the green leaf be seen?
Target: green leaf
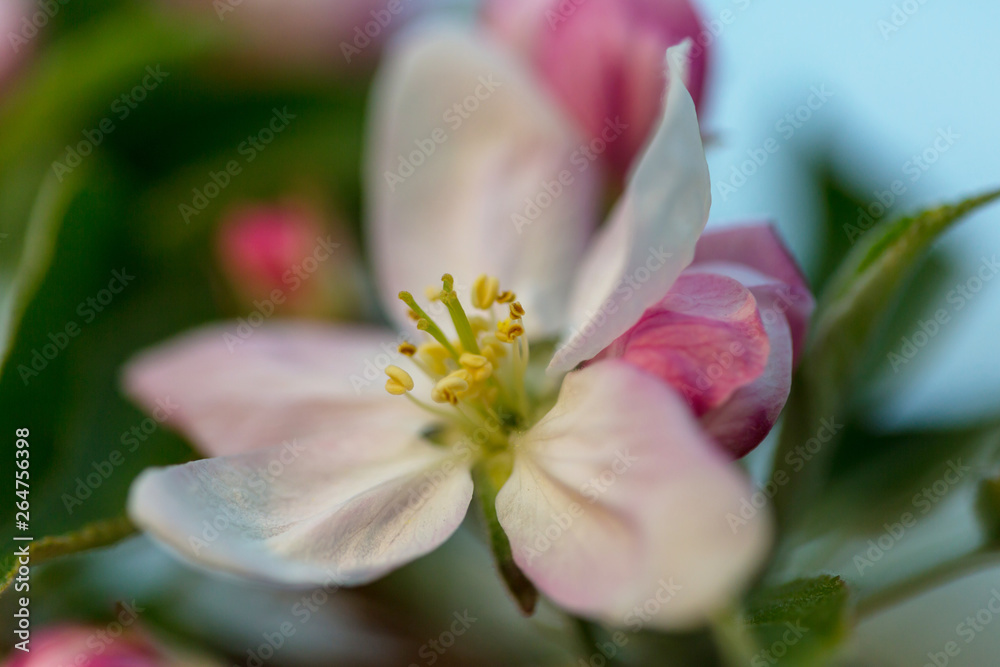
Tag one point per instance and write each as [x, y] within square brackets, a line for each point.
[988, 509]
[26, 248]
[797, 623]
[852, 312]
[68, 90]
[92, 536]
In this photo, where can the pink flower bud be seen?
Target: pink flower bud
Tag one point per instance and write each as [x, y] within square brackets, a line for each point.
[282, 254]
[88, 647]
[604, 61]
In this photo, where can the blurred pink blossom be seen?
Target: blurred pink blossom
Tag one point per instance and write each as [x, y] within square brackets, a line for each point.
[17, 36]
[603, 60]
[285, 254]
[84, 646]
[339, 33]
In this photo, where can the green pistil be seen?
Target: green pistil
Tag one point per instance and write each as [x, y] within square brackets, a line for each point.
[458, 316]
[425, 323]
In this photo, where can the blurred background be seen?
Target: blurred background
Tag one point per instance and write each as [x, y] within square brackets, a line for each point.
[877, 109]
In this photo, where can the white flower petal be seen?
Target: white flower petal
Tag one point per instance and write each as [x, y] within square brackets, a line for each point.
[651, 236]
[231, 394]
[485, 145]
[346, 509]
[617, 494]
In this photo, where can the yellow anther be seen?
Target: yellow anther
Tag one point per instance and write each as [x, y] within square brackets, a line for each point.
[516, 310]
[503, 326]
[508, 330]
[479, 367]
[506, 297]
[479, 324]
[407, 349]
[413, 316]
[484, 291]
[433, 293]
[473, 361]
[434, 354]
[492, 349]
[448, 389]
[399, 381]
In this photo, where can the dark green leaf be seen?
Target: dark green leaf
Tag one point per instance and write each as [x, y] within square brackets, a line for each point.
[852, 312]
[797, 623]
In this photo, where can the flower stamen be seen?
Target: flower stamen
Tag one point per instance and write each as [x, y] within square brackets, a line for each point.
[399, 381]
[484, 291]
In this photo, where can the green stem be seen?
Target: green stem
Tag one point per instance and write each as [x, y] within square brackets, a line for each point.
[489, 475]
[462, 326]
[425, 323]
[927, 580]
[92, 536]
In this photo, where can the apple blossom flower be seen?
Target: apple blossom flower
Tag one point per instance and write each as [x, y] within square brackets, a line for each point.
[95, 647]
[598, 482]
[284, 254]
[602, 59]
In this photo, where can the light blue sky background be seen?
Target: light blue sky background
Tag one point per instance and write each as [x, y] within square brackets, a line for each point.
[892, 94]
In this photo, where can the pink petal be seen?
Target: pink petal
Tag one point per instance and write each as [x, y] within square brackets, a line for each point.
[650, 238]
[745, 419]
[618, 502]
[705, 339]
[470, 171]
[759, 247]
[345, 508]
[232, 394]
[603, 59]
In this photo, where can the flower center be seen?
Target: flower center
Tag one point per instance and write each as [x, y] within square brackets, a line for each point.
[479, 377]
